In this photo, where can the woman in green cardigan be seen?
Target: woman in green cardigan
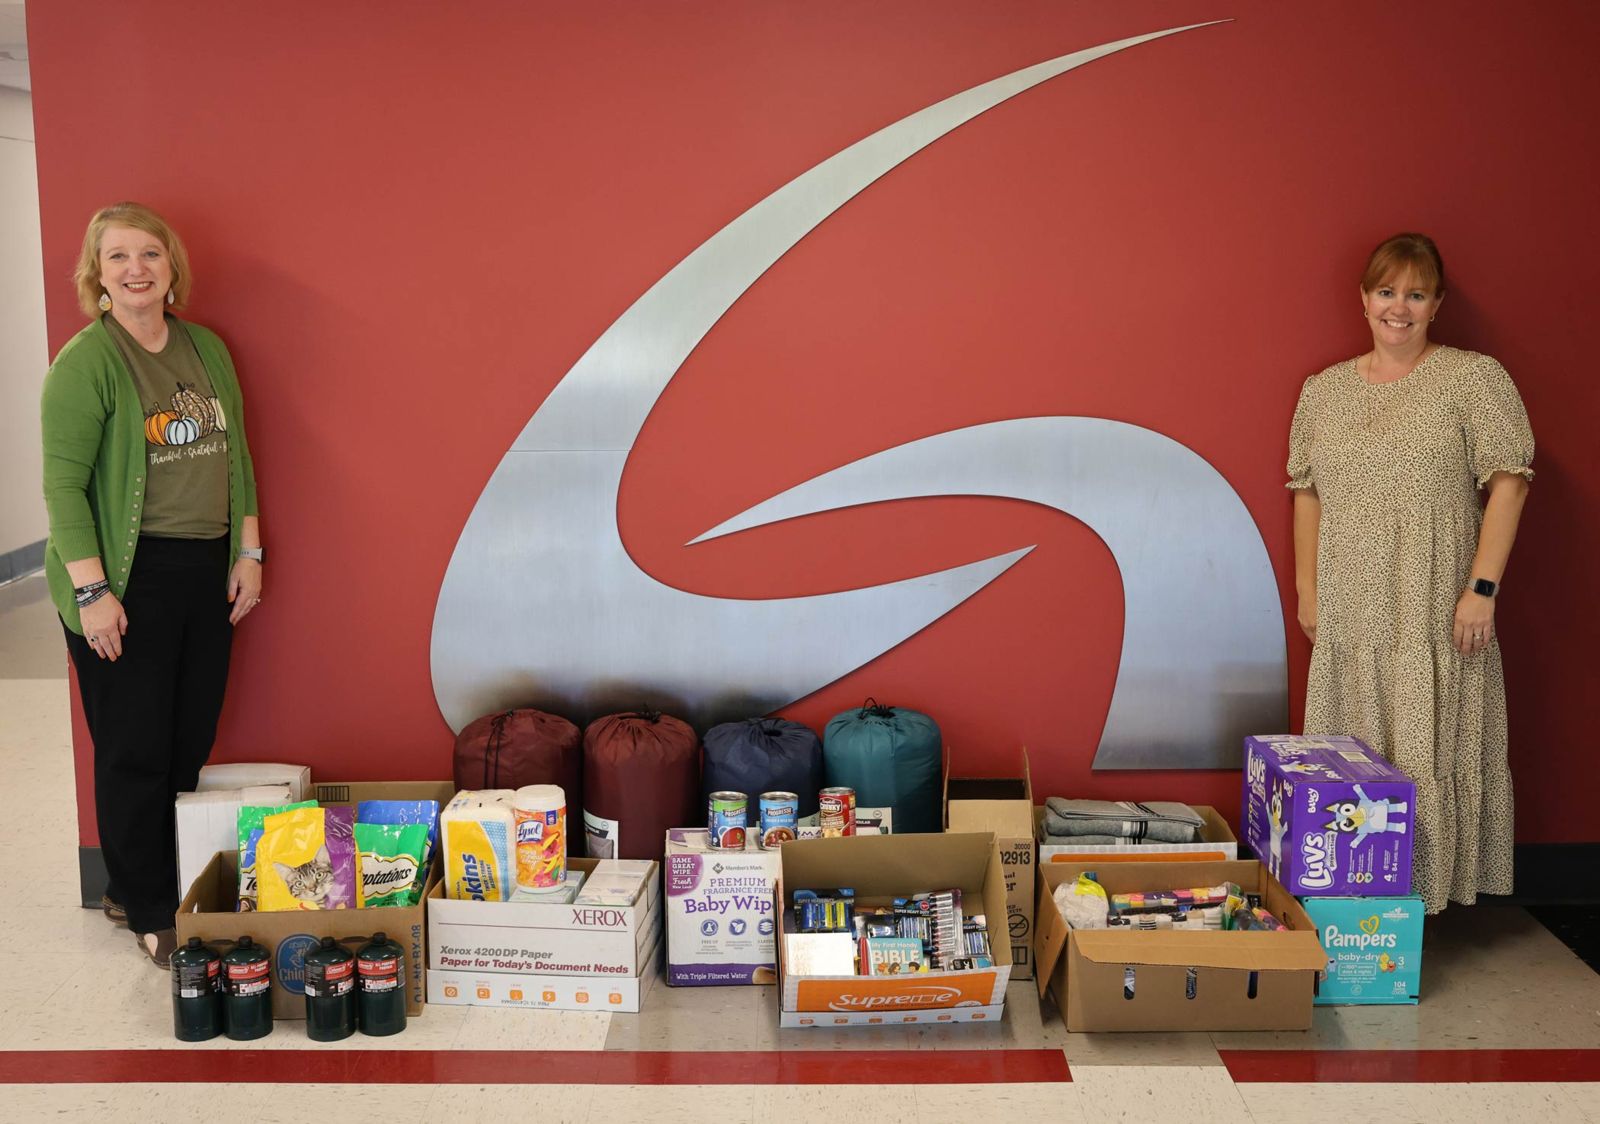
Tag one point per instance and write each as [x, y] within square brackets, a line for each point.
[155, 545]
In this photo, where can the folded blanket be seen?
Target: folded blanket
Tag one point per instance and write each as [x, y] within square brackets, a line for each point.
[1154, 822]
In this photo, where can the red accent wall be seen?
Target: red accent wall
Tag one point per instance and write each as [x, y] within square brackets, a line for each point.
[409, 222]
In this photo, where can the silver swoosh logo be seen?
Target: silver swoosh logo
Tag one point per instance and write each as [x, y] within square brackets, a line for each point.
[542, 605]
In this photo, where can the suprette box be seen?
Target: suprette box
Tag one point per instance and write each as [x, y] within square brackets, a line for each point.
[546, 938]
[210, 910]
[880, 868]
[1003, 805]
[1109, 979]
[1216, 844]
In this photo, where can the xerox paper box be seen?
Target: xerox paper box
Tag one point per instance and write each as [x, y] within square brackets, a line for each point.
[544, 938]
[719, 912]
[210, 911]
[1374, 949]
[1216, 844]
[880, 868]
[1328, 816]
[1117, 979]
[617, 994]
[1005, 807]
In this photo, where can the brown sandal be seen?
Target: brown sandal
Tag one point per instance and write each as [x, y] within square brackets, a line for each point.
[114, 912]
[166, 942]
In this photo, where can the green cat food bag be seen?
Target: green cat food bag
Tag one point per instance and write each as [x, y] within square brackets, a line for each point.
[251, 817]
[391, 859]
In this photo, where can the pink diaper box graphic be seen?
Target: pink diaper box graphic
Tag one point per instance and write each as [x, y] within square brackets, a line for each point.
[1328, 816]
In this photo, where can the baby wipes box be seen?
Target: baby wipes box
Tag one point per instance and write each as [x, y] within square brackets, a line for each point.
[719, 912]
[1374, 949]
[1328, 817]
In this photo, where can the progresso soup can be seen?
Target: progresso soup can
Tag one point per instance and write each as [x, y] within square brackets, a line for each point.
[837, 815]
[780, 819]
[728, 817]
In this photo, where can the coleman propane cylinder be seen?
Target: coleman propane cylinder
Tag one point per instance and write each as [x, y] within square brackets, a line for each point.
[330, 992]
[196, 992]
[249, 991]
[380, 987]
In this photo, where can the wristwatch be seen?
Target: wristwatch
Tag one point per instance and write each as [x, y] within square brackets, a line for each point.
[256, 554]
[1483, 587]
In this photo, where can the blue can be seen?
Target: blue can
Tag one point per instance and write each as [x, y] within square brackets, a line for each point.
[780, 819]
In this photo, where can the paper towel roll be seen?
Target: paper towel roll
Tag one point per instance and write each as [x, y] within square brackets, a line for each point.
[477, 830]
[243, 774]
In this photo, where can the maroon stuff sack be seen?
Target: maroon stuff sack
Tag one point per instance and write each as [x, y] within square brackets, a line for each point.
[642, 776]
[518, 747]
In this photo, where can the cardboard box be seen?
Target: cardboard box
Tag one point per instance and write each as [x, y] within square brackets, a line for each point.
[1216, 844]
[210, 910]
[1003, 806]
[1328, 816]
[719, 920]
[880, 868]
[544, 938]
[1179, 980]
[623, 995]
[1374, 949]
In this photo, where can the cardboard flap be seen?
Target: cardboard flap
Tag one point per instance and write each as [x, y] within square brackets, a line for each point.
[1266, 952]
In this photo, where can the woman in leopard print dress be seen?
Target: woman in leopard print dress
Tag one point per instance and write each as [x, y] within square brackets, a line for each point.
[1397, 562]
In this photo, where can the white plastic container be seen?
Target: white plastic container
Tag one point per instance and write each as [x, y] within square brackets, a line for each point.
[541, 812]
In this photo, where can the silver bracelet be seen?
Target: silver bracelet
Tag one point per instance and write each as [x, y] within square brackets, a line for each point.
[254, 553]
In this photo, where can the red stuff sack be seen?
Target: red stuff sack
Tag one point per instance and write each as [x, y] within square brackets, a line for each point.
[519, 747]
[642, 776]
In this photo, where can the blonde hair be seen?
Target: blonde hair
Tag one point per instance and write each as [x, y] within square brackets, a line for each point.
[1401, 254]
[136, 215]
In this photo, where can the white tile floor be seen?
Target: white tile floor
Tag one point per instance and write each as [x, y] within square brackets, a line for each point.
[70, 981]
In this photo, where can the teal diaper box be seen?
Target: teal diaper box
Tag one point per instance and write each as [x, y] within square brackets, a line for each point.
[1374, 948]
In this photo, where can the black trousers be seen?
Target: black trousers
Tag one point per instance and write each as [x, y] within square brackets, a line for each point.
[153, 715]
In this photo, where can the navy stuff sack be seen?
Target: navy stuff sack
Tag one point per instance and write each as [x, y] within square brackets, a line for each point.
[893, 758]
[764, 755]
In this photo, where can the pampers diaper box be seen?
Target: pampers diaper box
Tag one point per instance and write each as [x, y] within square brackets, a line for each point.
[1374, 949]
[720, 922]
[1328, 817]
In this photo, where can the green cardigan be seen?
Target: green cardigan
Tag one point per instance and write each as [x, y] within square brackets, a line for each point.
[94, 458]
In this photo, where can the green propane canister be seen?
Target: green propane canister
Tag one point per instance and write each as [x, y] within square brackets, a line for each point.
[330, 992]
[196, 992]
[248, 983]
[380, 987]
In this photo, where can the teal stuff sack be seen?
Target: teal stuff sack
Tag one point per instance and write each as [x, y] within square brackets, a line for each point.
[893, 758]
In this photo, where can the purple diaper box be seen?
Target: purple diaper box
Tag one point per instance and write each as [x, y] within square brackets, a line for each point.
[1328, 816]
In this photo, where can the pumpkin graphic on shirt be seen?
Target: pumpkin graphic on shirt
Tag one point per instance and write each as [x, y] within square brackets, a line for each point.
[193, 416]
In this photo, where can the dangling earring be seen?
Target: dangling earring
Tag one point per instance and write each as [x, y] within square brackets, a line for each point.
[1431, 319]
[170, 298]
[104, 302]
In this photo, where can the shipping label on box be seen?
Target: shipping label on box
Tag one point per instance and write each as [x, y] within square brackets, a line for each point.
[1374, 949]
[624, 995]
[1328, 816]
[534, 938]
[719, 912]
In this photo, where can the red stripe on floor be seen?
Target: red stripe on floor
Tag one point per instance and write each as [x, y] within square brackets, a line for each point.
[536, 1067]
[1405, 1066]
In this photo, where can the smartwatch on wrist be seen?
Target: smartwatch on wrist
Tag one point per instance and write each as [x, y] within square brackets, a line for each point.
[1483, 587]
[256, 554]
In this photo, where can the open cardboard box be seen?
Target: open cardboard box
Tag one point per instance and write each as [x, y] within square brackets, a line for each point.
[880, 868]
[209, 909]
[1004, 806]
[1241, 980]
[1216, 844]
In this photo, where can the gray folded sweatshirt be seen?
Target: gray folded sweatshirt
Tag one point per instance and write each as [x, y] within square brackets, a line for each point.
[1154, 822]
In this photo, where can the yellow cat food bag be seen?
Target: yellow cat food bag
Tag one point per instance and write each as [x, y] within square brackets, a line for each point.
[306, 860]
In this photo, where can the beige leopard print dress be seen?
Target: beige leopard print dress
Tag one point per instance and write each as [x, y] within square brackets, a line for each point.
[1397, 467]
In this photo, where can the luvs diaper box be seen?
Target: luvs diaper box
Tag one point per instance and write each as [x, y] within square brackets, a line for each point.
[1328, 816]
[720, 916]
[1374, 949]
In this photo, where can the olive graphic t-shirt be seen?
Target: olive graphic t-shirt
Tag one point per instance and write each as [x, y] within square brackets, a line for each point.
[186, 439]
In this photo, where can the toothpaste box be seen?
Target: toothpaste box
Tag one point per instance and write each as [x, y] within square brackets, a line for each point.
[1328, 817]
[1374, 949]
[719, 917]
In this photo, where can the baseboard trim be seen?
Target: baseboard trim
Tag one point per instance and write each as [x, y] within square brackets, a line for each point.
[21, 562]
[91, 876]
